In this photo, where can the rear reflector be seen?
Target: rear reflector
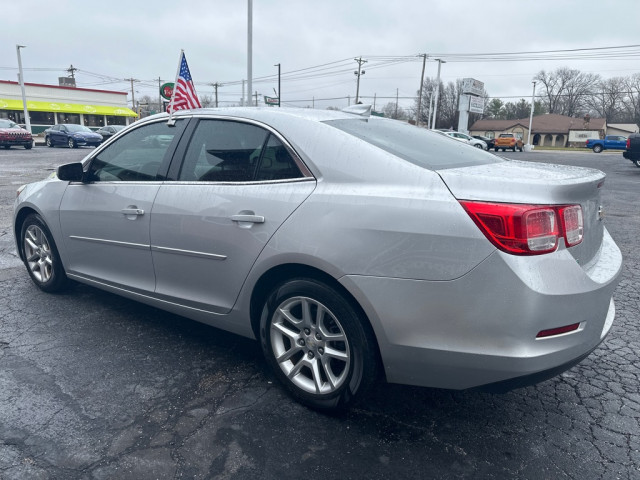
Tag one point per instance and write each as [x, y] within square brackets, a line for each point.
[558, 331]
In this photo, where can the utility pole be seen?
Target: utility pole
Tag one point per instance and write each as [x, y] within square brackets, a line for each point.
[396, 114]
[279, 95]
[133, 96]
[159, 95]
[256, 95]
[242, 102]
[533, 98]
[374, 101]
[358, 73]
[435, 107]
[215, 87]
[72, 71]
[424, 64]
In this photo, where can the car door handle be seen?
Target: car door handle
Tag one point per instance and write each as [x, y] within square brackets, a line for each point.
[132, 211]
[247, 218]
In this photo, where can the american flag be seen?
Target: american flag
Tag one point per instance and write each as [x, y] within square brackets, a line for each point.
[184, 93]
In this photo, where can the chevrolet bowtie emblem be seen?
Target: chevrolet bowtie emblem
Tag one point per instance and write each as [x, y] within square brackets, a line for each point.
[600, 213]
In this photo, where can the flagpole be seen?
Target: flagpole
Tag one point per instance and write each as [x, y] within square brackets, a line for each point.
[173, 92]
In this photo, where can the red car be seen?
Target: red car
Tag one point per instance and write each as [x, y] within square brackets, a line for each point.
[13, 134]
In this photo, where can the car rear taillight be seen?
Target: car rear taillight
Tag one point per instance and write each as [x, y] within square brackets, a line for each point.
[628, 143]
[572, 224]
[527, 229]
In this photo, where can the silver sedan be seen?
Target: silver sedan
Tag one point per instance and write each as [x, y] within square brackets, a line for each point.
[353, 248]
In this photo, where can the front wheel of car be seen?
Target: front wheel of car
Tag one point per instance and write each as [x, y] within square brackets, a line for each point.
[477, 145]
[317, 344]
[41, 255]
[48, 142]
[72, 143]
[28, 146]
[637, 163]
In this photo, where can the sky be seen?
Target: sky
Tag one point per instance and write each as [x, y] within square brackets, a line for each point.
[316, 44]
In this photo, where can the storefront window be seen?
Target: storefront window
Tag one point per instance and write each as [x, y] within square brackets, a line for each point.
[115, 120]
[42, 118]
[15, 115]
[69, 118]
[93, 120]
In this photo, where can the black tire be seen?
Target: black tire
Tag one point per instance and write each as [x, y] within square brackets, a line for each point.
[322, 380]
[48, 141]
[477, 145]
[597, 148]
[7, 147]
[41, 256]
[495, 149]
[637, 163]
[72, 143]
[28, 146]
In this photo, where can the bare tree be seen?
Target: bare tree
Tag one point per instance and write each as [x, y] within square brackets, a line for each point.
[608, 100]
[566, 91]
[393, 110]
[631, 102]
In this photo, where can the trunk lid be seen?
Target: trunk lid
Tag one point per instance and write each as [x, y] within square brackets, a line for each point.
[536, 183]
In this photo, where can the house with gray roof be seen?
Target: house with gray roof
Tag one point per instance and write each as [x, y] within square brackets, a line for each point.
[551, 130]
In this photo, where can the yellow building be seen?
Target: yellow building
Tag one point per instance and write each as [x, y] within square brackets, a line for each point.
[51, 104]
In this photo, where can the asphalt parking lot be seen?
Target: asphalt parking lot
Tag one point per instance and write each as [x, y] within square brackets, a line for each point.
[94, 386]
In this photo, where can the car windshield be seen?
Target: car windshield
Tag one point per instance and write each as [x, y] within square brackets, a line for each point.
[414, 144]
[78, 128]
[8, 124]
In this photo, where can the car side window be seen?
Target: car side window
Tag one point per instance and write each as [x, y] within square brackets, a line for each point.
[223, 151]
[276, 162]
[137, 156]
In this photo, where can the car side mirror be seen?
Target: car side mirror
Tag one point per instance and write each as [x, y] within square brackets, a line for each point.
[70, 172]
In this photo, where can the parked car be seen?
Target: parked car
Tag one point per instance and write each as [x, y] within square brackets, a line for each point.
[487, 140]
[351, 247]
[71, 135]
[632, 150]
[507, 141]
[609, 142]
[463, 137]
[109, 131]
[13, 134]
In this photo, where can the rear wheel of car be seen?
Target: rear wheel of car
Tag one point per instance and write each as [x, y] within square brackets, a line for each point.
[48, 142]
[477, 145]
[637, 163]
[597, 148]
[72, 143]
[495, 149]
[41, 255]
[317, 344]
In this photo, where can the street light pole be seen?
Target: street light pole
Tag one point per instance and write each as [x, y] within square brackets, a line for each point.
[27, 120]
[435, 106]
[249, 50]
[533, 97]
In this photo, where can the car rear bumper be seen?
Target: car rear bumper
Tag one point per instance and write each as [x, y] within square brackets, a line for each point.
[481, 329]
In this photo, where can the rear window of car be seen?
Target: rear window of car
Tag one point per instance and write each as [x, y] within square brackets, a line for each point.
[419, 146]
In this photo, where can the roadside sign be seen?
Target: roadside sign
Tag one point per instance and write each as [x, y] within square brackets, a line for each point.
[271, 101]
[476, 104]
[166, 90]
[472, 86]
